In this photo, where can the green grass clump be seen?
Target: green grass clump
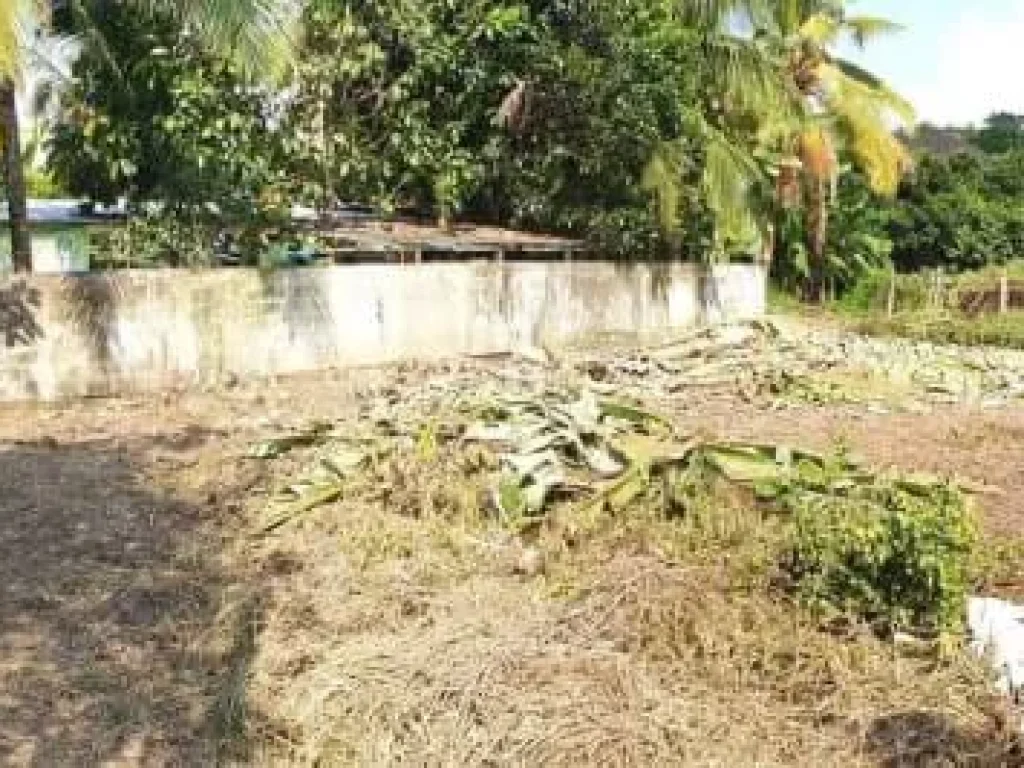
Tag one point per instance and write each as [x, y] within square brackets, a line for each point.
[895, 553]
[987, 330]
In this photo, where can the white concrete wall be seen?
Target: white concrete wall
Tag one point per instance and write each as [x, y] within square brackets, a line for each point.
[130, 331]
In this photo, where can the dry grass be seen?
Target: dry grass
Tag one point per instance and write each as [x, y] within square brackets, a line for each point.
[144, 626]
[646, 642]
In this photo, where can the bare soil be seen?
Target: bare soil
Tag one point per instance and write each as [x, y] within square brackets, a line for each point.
[141, 625]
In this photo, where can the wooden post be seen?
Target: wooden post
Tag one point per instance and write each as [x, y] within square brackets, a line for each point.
[1004, 293]
[890, 302]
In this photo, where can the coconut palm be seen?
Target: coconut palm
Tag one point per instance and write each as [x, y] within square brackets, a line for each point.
[259, 33]
[788, 105]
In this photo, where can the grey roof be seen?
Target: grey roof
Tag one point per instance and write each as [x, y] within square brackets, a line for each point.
[65, 212]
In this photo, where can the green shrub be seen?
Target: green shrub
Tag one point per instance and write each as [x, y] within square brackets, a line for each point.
[893, 552]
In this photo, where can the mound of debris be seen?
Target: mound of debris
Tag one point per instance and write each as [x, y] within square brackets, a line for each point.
[760, 361]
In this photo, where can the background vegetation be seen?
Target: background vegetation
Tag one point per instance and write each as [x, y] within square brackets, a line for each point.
[651, 128]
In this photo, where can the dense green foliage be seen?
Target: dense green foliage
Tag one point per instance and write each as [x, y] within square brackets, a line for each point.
[896, 552]
[858, 243]
[644, 126]
[153, 117]
[960, 208]
[960, 212]
[532, 114]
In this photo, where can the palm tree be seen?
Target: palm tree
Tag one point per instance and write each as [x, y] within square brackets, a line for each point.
[260, 33]
[787, 105]
[12, 19]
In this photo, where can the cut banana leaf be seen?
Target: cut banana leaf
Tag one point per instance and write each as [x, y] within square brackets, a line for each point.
[278, 446]
[633, 415]
[510, 497]
[311, 498]
[622, 493]
[490, 433]
[526, 465]
[602, 461]
[539, 490]
[585, 413]
[541, 442]
[654, 452]
[344, 461]
[745, 464]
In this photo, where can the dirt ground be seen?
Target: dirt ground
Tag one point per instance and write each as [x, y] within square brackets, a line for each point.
[140, 625]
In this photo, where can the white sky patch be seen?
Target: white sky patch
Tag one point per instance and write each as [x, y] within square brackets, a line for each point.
[979, 68]
[957, 61]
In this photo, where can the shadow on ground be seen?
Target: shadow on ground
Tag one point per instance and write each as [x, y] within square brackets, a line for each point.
[121, 635]
[911, 739]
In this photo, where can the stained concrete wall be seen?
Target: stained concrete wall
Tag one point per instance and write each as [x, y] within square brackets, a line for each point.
[111, 333]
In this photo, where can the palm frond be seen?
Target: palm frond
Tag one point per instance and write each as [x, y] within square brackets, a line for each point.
[822, 29]
[747, 77]
[260, 34]
[716, 14]
[89, 33]
[880, 91]
[707, 14]
[865, 116]
[788, 16]
[732, 184]
[16, 20]
[663, 180]
[864, 29]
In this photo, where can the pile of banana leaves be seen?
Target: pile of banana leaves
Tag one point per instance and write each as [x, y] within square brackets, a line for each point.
[564, 447]
[610, 454]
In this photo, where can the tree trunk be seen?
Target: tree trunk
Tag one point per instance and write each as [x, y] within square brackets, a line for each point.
[768, 247]
[817, 233]
[14, 178]
[444, 220]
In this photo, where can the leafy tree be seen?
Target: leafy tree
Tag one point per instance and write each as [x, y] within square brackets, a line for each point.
[960, 212]
[535, 114]
[1002, 132]
[153, 116]
[782, 108]
[601, 92]
[254, 31]
[396, 100]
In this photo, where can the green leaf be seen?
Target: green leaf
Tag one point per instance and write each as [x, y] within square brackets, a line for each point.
[315, 496]
[634, 415]
[278, 446]
[511, 499]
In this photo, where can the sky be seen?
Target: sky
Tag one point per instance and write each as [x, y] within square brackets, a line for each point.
[957, 60]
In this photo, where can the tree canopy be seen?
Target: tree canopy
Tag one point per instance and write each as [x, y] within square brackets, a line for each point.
[700, 129]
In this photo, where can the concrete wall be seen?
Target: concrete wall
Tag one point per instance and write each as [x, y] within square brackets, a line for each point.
[111, 333]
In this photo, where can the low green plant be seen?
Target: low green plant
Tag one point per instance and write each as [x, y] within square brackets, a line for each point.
[894, 552]
[947, 328]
